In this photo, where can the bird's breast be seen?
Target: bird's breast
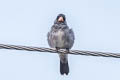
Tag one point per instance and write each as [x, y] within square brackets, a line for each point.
[60, 38]
[60, 34]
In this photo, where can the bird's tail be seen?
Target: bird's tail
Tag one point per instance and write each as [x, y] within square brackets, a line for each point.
[64, 68]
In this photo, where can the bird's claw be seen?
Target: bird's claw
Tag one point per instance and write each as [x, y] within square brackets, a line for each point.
[57, 49]
[67, 50]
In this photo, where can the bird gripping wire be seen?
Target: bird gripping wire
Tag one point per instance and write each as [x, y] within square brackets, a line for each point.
[52, 50]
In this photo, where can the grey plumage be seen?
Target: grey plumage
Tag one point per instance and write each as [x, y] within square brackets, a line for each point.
[61, 37]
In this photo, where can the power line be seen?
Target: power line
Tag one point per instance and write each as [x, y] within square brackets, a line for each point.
[52, 50]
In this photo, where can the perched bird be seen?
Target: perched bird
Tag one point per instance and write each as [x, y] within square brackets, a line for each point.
[61, 37]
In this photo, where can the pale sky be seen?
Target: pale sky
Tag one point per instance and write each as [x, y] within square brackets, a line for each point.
[96, 24]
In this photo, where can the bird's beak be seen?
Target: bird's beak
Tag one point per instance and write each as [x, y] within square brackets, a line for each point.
[60, 19]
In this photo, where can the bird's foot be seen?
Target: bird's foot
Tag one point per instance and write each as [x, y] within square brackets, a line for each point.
[67, 50]
[57, 48]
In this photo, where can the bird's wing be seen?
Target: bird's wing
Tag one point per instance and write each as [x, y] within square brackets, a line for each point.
[48, 38]
[71, 34]
[71, 37]
[51, 36]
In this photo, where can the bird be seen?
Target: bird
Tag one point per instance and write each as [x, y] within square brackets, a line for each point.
[61, 37]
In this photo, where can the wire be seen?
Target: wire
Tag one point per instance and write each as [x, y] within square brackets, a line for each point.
[52, 50]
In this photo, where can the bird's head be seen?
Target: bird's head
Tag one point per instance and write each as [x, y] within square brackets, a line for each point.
[61, 18]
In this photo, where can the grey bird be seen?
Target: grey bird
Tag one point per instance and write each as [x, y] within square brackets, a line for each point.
[61, 37]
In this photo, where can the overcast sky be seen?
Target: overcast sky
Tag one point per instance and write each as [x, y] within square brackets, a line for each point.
[96, 24]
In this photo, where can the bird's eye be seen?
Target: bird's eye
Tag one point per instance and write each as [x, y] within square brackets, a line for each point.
[64, 18]
[57, 17]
